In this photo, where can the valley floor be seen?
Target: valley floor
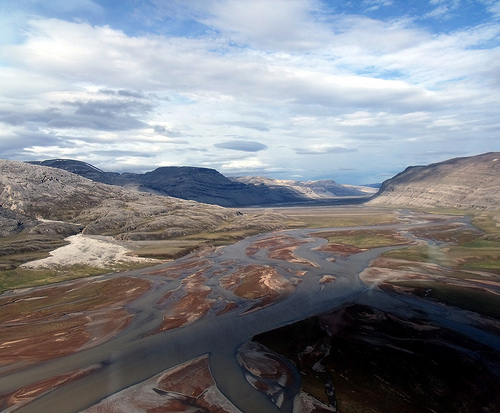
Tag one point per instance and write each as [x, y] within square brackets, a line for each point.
[386, 290]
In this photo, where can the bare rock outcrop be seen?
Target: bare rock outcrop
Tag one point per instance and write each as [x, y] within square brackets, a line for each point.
[463, 183]
[44, 193]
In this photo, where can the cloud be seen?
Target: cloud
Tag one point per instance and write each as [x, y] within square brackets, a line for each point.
[245, 146]
[260, 126]
[276, 25]
[107, 115]
[494, 8]
[295, 78]
[373, 5]
[164, 131]
[124, 93]
[323, 149]
[12, 144]
[247, 166]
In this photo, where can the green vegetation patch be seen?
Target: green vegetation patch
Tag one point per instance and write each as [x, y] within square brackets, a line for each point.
[178, 247]
[479, 254]
[488, 223]
[365, 238]
[20, 248]
[333, 218]
[167, 251]
[24, 277]
[421, 253]
[448, 234]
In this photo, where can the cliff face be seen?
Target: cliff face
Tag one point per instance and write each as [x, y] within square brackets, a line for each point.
[198, 184]
[464, 183]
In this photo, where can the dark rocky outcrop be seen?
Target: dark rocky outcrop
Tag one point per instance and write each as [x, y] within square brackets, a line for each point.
[198, 184]
[464, 183]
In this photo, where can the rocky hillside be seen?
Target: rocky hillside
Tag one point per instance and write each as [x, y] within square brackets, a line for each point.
[198, 184]
[44, 193]
[40, 206]
[464, 183]
[322, 189]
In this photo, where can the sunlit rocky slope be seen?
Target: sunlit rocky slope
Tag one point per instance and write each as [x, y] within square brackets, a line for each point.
[464, 183]
[52, 194]
[40, 206]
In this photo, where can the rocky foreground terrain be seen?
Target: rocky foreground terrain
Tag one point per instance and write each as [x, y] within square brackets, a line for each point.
[40, 206]
[463, 183]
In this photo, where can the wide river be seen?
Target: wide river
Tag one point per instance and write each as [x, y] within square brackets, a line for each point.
[130, 358]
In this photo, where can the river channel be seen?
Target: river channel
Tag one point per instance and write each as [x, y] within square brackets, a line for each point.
[132, 356]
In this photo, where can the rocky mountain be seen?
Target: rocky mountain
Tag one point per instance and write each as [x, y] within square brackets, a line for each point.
[40, 206]
[198, 184]
[321, 189]
[44, 193]
[464, 183]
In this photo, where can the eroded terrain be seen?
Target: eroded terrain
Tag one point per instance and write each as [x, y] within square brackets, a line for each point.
[410, 285]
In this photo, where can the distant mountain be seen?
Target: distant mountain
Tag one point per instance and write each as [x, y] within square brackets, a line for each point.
[321, 189]
[198, 184]
[464, 183]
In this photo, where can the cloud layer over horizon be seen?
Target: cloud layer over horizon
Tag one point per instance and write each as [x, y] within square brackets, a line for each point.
[302, 89]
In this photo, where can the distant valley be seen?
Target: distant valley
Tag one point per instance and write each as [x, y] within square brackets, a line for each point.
[461, 183]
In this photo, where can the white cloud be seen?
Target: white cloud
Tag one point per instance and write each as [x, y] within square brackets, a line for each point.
[273, 25]
[243, 164]
[322, 149]
[376, 4]
[282, 74]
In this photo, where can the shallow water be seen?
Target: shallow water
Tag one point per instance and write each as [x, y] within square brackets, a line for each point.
[130, 359]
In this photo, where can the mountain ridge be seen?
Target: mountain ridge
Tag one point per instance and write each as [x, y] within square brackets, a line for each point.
[318, 189]
[471, 182]
[210, 186]
[40, 206]
[186, 182]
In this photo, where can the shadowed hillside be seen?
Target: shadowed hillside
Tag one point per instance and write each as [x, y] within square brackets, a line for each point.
[185, 182]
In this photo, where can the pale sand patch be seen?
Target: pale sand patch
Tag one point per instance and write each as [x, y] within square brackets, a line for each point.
[92, 250]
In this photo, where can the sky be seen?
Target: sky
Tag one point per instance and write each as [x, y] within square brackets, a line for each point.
[353, 91]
